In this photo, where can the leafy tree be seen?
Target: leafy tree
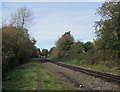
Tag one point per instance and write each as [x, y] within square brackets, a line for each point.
[63, 45]
[33, 40]
[76, 49]
[88, 46]
[51, 50]
[17, 47]
[38, 50]
[16, 43]
[54, 53]
[45, 52]
[108, 31]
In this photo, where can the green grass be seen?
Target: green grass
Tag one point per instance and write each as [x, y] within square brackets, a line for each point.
[50, 82]
[102, 68]
[24, 78]
[21, 78]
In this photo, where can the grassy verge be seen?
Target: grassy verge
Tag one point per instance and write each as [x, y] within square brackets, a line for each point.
[102, 68]
[21, 78]
[50, 82]
[24, 78]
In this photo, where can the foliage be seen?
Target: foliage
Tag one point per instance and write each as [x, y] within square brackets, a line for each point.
[76, 49]
[63, 45]
[108, 31]
[17, 47]
[88, 46]
[44, 52]
[51, 50]
[106, 46]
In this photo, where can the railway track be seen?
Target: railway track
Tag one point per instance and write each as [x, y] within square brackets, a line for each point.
[107, 76]
[77, 84]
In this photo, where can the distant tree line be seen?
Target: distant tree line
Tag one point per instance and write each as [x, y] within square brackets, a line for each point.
[105, 49]
[44, 53]
[17, 46]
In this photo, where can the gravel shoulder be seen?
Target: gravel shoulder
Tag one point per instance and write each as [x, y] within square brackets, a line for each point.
[89, 82]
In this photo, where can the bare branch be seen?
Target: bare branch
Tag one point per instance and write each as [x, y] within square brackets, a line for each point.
[22, 17]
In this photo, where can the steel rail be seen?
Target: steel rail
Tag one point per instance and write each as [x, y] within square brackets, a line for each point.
[108, 76]
[72, 80]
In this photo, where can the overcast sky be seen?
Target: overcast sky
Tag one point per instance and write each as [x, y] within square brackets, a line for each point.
[51, 20]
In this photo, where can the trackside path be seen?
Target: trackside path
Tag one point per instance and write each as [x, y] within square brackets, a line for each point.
[39, 80]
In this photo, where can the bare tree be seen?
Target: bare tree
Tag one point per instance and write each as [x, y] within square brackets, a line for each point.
[22, 17]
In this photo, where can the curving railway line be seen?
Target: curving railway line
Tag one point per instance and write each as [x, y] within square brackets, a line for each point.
[107, 76]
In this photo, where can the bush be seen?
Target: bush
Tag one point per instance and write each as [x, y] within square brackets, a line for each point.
[17, 47]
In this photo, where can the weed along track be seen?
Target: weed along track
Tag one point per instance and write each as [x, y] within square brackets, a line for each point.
[83, 78]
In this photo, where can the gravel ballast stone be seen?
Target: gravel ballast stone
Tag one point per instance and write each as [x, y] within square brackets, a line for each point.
[89, 82]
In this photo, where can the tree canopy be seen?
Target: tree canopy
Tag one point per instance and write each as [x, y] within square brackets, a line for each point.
[108, 30]
[104, 49]
[17, 46]
[63, 45]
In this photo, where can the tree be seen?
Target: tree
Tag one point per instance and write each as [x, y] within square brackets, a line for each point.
[17, 48]
[36, 52]
[51, 50]
[108, 31]
[63, 45]
[39, 52]
[76, 49]
[88, 46]
[33, 40]
[22, 17]
[44, 52]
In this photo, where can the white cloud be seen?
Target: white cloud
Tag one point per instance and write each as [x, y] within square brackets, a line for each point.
[49, 25]
[54, 25]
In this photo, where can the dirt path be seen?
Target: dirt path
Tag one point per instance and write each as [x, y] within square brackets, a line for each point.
[39, 82]
[89, 82]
